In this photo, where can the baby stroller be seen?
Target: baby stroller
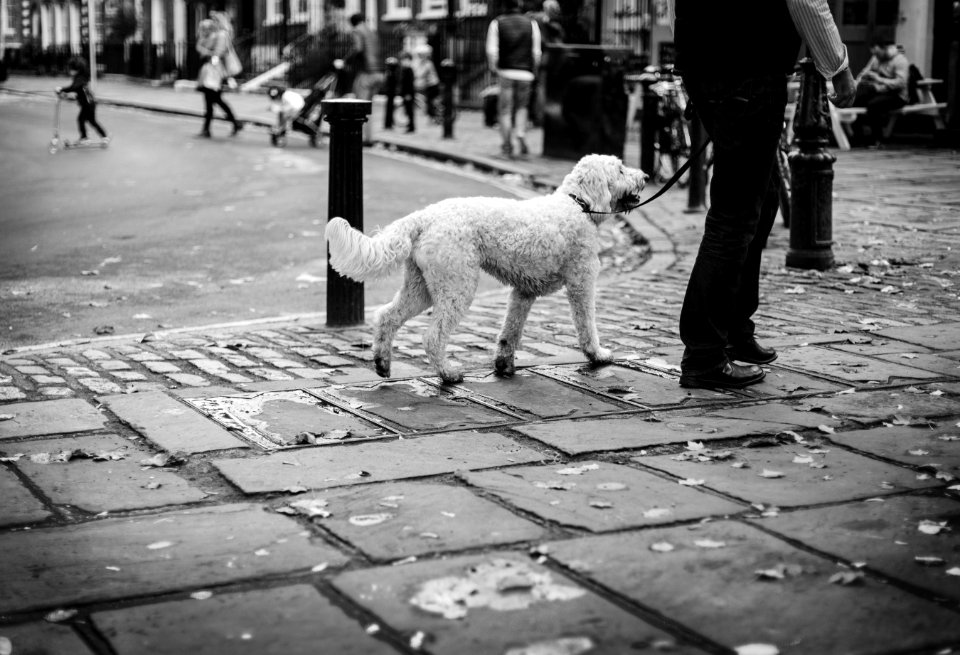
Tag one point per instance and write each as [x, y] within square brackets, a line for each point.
[298, 113]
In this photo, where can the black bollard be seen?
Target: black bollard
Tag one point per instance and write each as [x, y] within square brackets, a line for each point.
[697, 191]
[811, 170]
[345, 199]
[390, 89]
[648, 127]
[448, 77]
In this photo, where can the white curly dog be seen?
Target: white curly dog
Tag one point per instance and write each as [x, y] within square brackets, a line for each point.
[536, 246]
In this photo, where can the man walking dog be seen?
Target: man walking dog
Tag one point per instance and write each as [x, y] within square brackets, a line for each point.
[735, 73]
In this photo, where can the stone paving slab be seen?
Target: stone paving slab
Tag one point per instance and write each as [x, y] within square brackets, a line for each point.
[849, 367]
[934, 448]
[101, 486]
[537, 395]
[170, 424]
[599, 496]
[334, 466]
[788, 476]
[49, 417]
[886, 536]
[936, 364]
[794, 415]
[272, 419]
[43, 639]
[943, 336]
[629, 384]
[714, 589]
[417, 406]
[19, 505]
[407, 519]
[784, 382]
[502, 604]
[294, 620]
[885, 405]
[156, 553]
[643, 431]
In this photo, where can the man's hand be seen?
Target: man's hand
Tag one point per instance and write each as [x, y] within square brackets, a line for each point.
[844, 89]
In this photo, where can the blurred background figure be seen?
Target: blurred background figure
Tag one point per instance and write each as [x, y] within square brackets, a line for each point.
[426, 81]
[882, 87]
[213, 44]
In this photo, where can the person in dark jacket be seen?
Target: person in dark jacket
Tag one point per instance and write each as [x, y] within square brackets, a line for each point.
[408, 91]
[513, 51]
[736, 75]
[88, 103]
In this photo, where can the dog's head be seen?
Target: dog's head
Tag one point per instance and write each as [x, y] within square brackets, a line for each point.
[602, 184]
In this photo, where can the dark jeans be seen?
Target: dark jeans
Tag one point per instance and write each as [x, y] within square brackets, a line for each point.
[744, 118]
[211, 98]
[879, 104]
[88, 114]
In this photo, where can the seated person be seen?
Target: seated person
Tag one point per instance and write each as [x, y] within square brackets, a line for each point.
[881, 87]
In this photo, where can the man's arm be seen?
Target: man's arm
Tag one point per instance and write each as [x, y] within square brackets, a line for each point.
[493, 45]
[819, 31]
[537, 45]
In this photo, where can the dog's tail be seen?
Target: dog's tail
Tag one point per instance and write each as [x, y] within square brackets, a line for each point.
[360, 257]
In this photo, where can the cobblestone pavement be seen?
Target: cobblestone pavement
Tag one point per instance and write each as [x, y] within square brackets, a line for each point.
[257, 489]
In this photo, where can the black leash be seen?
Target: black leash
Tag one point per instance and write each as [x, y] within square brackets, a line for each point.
[666, 187]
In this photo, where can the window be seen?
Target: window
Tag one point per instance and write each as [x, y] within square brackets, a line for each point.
[399, 10]
[472, 8]
[433, 9]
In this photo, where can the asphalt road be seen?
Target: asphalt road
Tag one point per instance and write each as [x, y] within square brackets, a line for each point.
[164, 230]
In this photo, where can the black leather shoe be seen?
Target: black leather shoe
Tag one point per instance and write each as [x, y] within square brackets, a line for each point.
[725, 376]
[751, 352]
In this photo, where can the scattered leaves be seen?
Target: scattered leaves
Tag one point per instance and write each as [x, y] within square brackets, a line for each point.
[929, 560]
[846, 578]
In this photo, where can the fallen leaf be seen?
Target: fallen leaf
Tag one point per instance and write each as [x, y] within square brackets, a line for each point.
[695, 445]
[601, 504]
[366, 520]
[157, 545]
[709, 543]
[846, 578]
[661, 547]
[309, 507]
[767, 473]
[578, 470]
[657, 513]
[201, 595]
[161, 460]
[152, 485]
[826, 429]
[953, 571]
[757, 649]
[929, 560]
[56, 616]
[7, 417]
[932, 527]
[690, 482]
[295, 489]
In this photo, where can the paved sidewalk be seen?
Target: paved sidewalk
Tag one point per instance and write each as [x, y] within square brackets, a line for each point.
[257, 489]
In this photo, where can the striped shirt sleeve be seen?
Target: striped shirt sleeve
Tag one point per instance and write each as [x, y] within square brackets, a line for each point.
[819, 31]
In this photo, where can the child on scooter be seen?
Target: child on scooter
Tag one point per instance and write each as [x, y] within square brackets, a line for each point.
[85, 99]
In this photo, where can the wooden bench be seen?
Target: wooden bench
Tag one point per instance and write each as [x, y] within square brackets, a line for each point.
[927, 106]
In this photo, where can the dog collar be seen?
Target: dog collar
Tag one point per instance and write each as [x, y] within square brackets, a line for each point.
[586, 208]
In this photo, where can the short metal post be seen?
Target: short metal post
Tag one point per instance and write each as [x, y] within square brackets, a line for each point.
[448, 76]
[811, 170]
[345, 199]
[697, 191]
[390, 88]
[648, 127]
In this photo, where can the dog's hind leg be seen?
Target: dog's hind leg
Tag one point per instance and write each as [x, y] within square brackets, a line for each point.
[581, 295]
[452, 294]
[509, 338]
[410, 300]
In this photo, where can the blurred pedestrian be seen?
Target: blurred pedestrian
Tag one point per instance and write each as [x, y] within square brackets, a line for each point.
[213, 44]
[736, 76]
[513, 51]
[551, 33]
[408, 89]
[882, 87]
[80, 85]
[426, 80]
[364, 60]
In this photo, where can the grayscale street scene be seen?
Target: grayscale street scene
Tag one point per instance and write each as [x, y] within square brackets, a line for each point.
[212, 441]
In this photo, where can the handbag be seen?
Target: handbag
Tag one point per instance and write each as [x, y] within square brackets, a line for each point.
[231, 63]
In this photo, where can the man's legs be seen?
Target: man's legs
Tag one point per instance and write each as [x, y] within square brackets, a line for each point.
[505, 106]
[744, 119]
[522, 115]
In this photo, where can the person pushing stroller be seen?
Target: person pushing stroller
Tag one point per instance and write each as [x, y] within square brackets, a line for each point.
[299, 113]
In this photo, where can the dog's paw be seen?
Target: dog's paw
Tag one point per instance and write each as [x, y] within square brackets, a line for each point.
[504, 366]
[451, 375]
[601, 356]
[382, 365]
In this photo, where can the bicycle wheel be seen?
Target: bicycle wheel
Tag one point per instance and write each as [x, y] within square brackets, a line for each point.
[786, 186]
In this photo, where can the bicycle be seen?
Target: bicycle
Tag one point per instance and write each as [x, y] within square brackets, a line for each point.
[672, 143]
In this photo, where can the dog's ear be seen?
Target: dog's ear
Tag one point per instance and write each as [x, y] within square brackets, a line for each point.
[593, 175]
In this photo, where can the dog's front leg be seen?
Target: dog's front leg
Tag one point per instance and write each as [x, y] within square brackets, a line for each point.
[582, 296]
[509, 338]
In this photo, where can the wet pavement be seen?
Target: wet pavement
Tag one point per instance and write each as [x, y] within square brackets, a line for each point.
[256, 488]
